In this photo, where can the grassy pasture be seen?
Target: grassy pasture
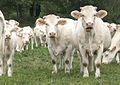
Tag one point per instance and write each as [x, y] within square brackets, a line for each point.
[34, 67]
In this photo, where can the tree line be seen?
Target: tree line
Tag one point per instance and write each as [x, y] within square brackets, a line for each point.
[27, 11]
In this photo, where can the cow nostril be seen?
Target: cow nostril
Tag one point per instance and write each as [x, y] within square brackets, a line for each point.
[44, 35]
[89, 24]
[50, 33]
[54, 34]
[8, 36]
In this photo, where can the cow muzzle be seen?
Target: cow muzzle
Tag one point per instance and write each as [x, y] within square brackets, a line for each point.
[27, 42]
[89, 26]
[52, 35]
[8, 37]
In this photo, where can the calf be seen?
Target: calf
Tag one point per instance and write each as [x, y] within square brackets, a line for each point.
[24, 35]
[10, 46]
[40, 33]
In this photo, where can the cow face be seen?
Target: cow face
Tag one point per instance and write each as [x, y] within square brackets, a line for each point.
[113, 26]
[7, 34]
[25, 38]
[88, 15]
[109, 55]
[52, 22]
[42, 33]
[8, 31]
[13, 23]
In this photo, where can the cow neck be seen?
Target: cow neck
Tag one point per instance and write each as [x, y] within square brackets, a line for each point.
[90, 36]
[53, 41]
[7, 42]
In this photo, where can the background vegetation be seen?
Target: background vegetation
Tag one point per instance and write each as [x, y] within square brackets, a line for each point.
[27, 11]
[34, 67]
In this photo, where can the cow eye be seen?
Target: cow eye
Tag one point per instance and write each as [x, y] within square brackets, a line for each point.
[94, 15]
[47, 24]
[83, 15]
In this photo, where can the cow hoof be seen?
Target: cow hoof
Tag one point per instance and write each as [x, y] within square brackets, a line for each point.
[54, 72]
[85, 75]
[67, 72]
[61, 68]
[104, 62]
[0, 74]
[118, 63]
[9, 75]
[97, 75]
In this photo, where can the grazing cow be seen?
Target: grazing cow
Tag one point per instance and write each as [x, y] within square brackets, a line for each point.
[113, 49]
[112, 26]
[91, 37]
[24, 35]
[2, 44]
[40, 33]
[10, 46]
[58, 35]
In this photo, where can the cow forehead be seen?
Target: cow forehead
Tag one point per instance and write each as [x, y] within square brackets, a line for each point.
[51, 19]
[88, 10]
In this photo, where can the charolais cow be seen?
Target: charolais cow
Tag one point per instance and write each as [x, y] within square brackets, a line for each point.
[91, 37]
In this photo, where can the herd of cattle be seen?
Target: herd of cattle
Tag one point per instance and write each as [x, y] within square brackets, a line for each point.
[89, 35]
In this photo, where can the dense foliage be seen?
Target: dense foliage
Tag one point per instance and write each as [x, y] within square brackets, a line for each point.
[26, 11]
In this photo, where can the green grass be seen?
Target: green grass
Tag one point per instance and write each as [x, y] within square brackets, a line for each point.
[34, 67]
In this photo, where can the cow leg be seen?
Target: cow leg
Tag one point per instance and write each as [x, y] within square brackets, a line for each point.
[54, 59]
[84, 61]
[80, 59]
[1, 66]
[68, 54]
[41, 41]
[61, 62]
[27, 47]
[36, 41]
[71, 59]
[32, 42]
[91, 65]
[117, 58]
[98, 61]
[9, 63]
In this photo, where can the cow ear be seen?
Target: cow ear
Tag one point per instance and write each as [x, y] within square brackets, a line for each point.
[108, 26]
[21, 30]
[41, 22]
[76, 14]
[101, 13]
[14, 30]
[17, 23]
[62, 22]
[117, 26]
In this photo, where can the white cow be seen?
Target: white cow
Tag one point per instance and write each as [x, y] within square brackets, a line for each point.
[113, 49]
[13, 23]
[112, 27]
[10, 46]
[40, 33]
[2, 44]
[58, 34]
[24, 35]
[91, 36]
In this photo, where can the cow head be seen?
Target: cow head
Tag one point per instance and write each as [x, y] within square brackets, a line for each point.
[52, 22]
[109, 55]
[13, 23]
[88, 15]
